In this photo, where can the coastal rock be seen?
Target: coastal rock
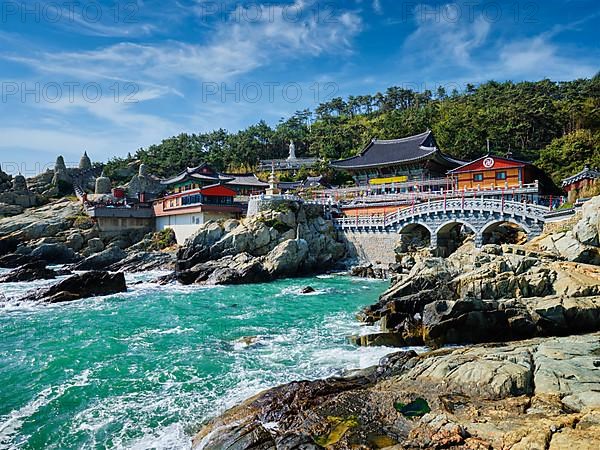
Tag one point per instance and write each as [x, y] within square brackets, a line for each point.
[587, 230]
[492, 294]
[8, 245]
[54, 253]
[307, 290]
[36, 223]
[14, 260]
[112, 255]
[88, 284]
[144, 261]
[531, 394]
[75, 241]
[287, 257]
[94, 245]
[7, 210]
[581, 244]
[29, 272]
[289, 241]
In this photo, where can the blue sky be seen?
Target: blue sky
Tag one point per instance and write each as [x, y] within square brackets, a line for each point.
[110, 77]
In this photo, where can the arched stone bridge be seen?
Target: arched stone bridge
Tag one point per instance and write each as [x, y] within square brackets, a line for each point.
[440, 218]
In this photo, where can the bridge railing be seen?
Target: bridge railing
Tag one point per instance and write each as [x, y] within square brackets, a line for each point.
[528, 210]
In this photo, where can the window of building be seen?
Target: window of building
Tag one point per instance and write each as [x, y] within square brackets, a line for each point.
[501, 175]
[477, 177]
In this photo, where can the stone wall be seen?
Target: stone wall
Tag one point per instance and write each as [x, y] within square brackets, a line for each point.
[560, 226]
[372, 247]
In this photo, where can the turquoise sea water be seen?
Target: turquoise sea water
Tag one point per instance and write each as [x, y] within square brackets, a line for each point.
[143, 369]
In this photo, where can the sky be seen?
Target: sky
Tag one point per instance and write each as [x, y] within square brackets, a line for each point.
[110, 77]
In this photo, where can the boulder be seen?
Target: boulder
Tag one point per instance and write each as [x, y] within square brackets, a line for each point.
[8, 245]
[587, 230]
[14, 260]
[88, 284]
[144, 261]
[54, 253]
[95, 245]
[307, 290]
[75, 241]
[260, 248]
[112, 255]
[287, 257]
[29, 272]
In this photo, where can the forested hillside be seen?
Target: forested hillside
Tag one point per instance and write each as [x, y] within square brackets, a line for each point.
[555, 124]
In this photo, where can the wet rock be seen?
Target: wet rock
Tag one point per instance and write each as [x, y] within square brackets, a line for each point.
[8, 245]
[307, 290]
[29, 272]
[102, 260]
[165, 279]
[14, 260]
[145, 261]
[88, 284]
[515, 395]
[54, 253]
[378, 340]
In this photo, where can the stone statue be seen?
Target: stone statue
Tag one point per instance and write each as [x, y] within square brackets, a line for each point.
[292, 151]
[60, 172]
[20, 184]
[103, 185]
[85, 163]
[60, 165]
[143, 183]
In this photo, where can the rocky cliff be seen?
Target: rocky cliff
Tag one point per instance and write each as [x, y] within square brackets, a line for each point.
[62, 233]
[293, 240]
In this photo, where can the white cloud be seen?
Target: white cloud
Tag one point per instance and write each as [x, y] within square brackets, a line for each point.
[442, 38]
[162, 70]
[236, 47]
[377, 6]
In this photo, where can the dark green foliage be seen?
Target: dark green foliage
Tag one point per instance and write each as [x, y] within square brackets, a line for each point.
[531, 119]
[568, 154]
[162, 240]
[417, 408]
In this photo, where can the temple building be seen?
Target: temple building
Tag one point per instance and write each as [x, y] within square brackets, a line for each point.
[195, 178]
[407, 160]
[580, 181]
[187, 209]
[497, 172]
[245, 184]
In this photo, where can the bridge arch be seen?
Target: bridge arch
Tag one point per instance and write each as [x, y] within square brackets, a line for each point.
[490, 227]
[450, 235]
[415, 234]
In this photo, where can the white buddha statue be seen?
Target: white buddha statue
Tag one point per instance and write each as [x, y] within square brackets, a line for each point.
[292, 151]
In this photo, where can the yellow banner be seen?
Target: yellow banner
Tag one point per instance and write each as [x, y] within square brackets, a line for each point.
[391, 180]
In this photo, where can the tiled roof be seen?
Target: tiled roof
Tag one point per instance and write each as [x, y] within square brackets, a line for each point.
[388, 152]
[585, 174]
